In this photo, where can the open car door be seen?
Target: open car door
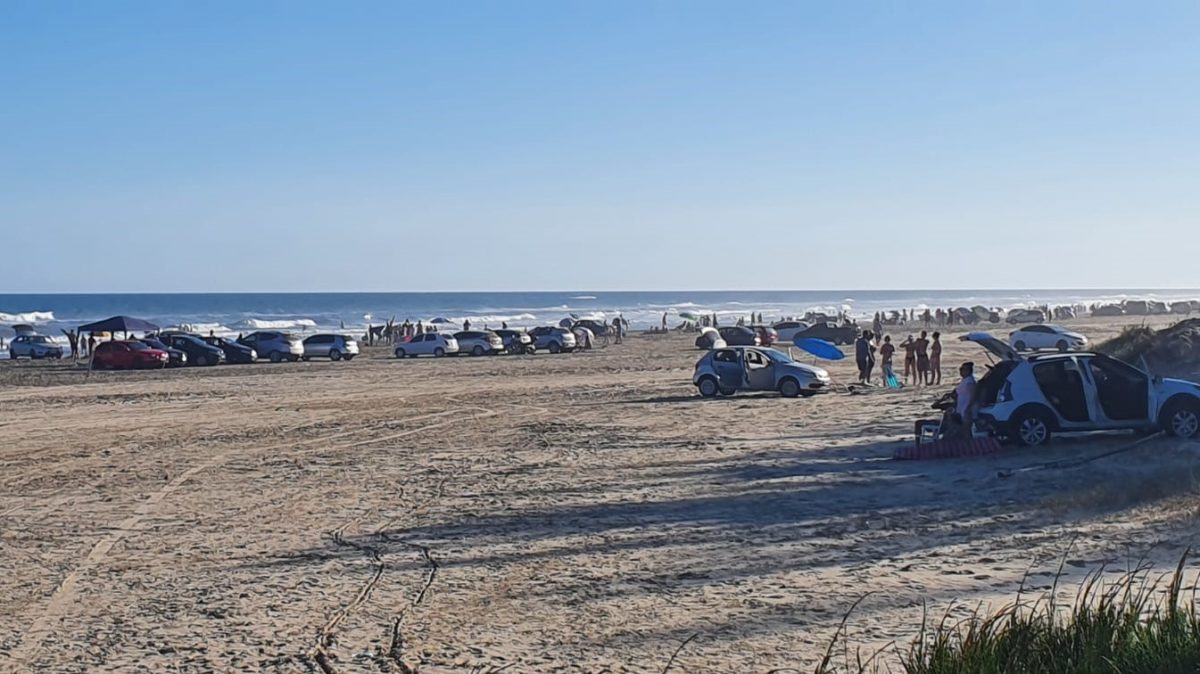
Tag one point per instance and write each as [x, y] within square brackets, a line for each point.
[993, 346]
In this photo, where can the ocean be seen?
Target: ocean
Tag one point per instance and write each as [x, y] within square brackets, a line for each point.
[231, 313]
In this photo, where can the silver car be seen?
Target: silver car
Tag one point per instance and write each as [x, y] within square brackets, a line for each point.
[278, 346]
[553, 339]
[333, 347]
[33, 346]
[749, 368]
[478, 342]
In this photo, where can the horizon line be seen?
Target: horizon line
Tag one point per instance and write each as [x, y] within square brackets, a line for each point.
[669, 290]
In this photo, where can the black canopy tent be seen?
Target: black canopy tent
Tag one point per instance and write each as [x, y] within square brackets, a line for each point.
[125, 324]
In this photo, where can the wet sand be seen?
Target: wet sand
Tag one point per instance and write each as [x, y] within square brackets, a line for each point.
[574, 513]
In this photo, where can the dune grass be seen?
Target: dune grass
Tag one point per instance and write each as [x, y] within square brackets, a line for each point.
[1135, 625]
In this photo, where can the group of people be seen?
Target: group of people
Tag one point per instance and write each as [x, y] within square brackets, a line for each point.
[922, 358]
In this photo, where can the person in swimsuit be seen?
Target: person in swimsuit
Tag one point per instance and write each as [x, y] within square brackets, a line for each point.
[935, 359]
[885, 353]
[922, 349]
[910, 359]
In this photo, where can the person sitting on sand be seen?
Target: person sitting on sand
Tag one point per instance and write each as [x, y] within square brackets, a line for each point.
[964, 394]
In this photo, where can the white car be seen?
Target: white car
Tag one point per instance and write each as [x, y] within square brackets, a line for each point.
[1024, 316]
[429, 344]
[788, 330]
[1046, 336]
[1025, 399]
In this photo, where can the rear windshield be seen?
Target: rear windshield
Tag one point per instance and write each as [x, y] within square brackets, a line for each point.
[138, 346]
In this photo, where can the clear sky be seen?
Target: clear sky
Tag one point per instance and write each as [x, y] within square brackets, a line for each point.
[210, 146]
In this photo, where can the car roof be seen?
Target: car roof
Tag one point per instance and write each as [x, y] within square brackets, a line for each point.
[1043, 357]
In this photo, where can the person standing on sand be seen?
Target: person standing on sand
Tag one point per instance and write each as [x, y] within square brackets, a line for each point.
[877, 327]
[886, 352]
[910, 359]
[466, 324]
[664, 325]
[864, 356]
[922, 348]
[616, 323]
[935, 359]
[91, 342]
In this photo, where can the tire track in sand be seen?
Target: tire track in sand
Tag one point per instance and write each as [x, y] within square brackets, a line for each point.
[42, 627]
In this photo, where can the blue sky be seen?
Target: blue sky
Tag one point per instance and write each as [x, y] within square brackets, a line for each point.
[170, 146]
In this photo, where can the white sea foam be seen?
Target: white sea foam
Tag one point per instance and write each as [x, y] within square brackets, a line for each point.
[27, 317]
[287, 324]
[584, 297]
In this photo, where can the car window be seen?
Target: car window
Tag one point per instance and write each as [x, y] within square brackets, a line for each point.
[725, 356]
[320, 339]
[1109, 371]
[755, 360]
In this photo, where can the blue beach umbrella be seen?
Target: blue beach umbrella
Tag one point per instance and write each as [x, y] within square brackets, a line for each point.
[819, 348]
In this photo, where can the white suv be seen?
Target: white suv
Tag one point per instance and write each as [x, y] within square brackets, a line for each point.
[1027, 399]
[429, 344]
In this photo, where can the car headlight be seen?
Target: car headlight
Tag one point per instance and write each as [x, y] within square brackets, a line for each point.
[253, 354]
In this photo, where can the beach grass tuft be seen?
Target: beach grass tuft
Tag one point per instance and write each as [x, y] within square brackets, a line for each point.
[1135, 624]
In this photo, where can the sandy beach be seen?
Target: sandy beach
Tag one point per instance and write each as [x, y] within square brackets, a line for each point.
[574, 513]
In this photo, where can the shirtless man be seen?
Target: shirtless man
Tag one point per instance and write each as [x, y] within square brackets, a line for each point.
[935, 359]
[910, 359]
[922, 348]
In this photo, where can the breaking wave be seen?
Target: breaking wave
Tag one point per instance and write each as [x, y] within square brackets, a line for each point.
[27, 317]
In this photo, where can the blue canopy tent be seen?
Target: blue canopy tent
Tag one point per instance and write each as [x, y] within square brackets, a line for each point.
[126, 324]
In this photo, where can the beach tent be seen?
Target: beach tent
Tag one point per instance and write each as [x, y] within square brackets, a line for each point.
[117, 324]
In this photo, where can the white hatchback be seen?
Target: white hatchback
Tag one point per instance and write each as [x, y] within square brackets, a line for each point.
[429, 344]
[1046, 336]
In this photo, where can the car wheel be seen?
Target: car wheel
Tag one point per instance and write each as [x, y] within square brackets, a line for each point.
[1030, 428]
[349, 356]
[555, 348]
[1062, 345]
[400, 353]
[276, 357]
[477, 351]
[728, 391]
[439, 352]
[708, 387]
[1019, 346]
[335, 355]
[304, 358]
[1181, 418]
[293, 358]
[12, 356]
[789, 388]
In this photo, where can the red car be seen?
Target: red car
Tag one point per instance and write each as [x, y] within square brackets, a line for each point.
[128, 355]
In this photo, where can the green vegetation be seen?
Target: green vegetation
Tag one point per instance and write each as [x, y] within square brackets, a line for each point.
[1132, 626]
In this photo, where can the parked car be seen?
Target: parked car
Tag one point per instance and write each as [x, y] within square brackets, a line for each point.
[739, 335]
[516, 341]
[1024, 316]
[830, 332]
[331, 346]
[175, 357]
[198, 352]
[278, 346]
[234, 352]
[766, 334]
[428, 344]
[1046, 336]
[127, 355]
[553, 339]
[1026, 399]
[788, 330]
[33, 346]
[744, 368]
[478, 342]
[709, 338]
[598, 328]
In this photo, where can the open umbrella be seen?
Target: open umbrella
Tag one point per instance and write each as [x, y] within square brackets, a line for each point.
[819, 348]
